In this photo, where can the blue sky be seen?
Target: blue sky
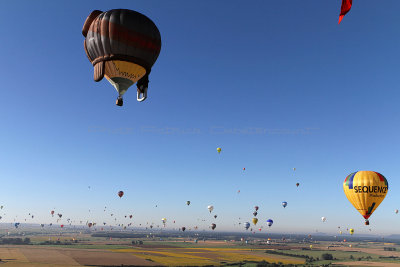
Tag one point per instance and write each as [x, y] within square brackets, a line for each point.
[276, 84]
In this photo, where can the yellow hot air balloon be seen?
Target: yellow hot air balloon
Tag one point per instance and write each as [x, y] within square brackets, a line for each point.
[351, 231]
[255, 221]
[310, 246]
[365, 190]
[219, 150]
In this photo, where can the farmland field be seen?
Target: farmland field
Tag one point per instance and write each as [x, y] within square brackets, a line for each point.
[77, 249]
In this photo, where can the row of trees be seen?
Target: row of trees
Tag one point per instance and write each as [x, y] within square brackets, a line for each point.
[15, 241]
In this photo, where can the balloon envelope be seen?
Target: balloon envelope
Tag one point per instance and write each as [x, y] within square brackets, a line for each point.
[365, 190]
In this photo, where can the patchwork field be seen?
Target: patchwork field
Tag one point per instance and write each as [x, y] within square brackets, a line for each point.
[95, 251]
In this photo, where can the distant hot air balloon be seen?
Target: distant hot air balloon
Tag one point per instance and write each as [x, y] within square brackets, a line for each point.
[255, 213]
[256, 208]
[297, 184]
[215, 216]
[122, 45]
[396, 211]
[213, 225]
[247, 225]
[164, 220]
[255, 221]
[284, 204]
[52, 213]
[365, 190]
[310, 246]
[346, 6]
[244, 169]
[130, 216]
[120, 194]
[210, 208]
[323, 219]
[90, 224]
[351, 231]
[188, 202]
[219, 150]
[270, 222]
[62, 225]
[183, 229]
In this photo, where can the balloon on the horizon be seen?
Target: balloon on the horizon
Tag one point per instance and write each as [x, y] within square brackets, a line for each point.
[219, 150]
[323, 219]
[213, 225]
[255, 213]
[351, 231]
[346, 6]
[210, 208]
[183, 229]
[396, 211]
[215, 216]
[365, 190]
[188, 202]
[255, 221]
[284, 204]
[247, 225]
[122, 45]
[120, 194]
[270, 222]
[52, 213]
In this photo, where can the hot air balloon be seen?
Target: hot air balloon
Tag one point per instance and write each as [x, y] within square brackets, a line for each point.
[183, 229]
[255, 213]
[52, 213]
[90, 224]
[255, 221]
[346, 6]
[284, 204]
[213, 225]
[130, 216]
[365, 190]
[122, 45]
[270, 222]
[210, 208]
[62, 225]
[244, 169]
[323, 219]
[188, 202]
[256, 208]
[215, 216]
[396, 211]
[351, 231]
[120, 194]
[297, 184]
[310, 246]
[164, 220]
[219, 150]
[247, 225]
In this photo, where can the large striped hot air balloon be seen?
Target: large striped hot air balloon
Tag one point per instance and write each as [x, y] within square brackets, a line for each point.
[122, 45]
[365, 190]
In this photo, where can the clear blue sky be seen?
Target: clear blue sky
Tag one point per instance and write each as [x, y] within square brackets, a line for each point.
[276, 84]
